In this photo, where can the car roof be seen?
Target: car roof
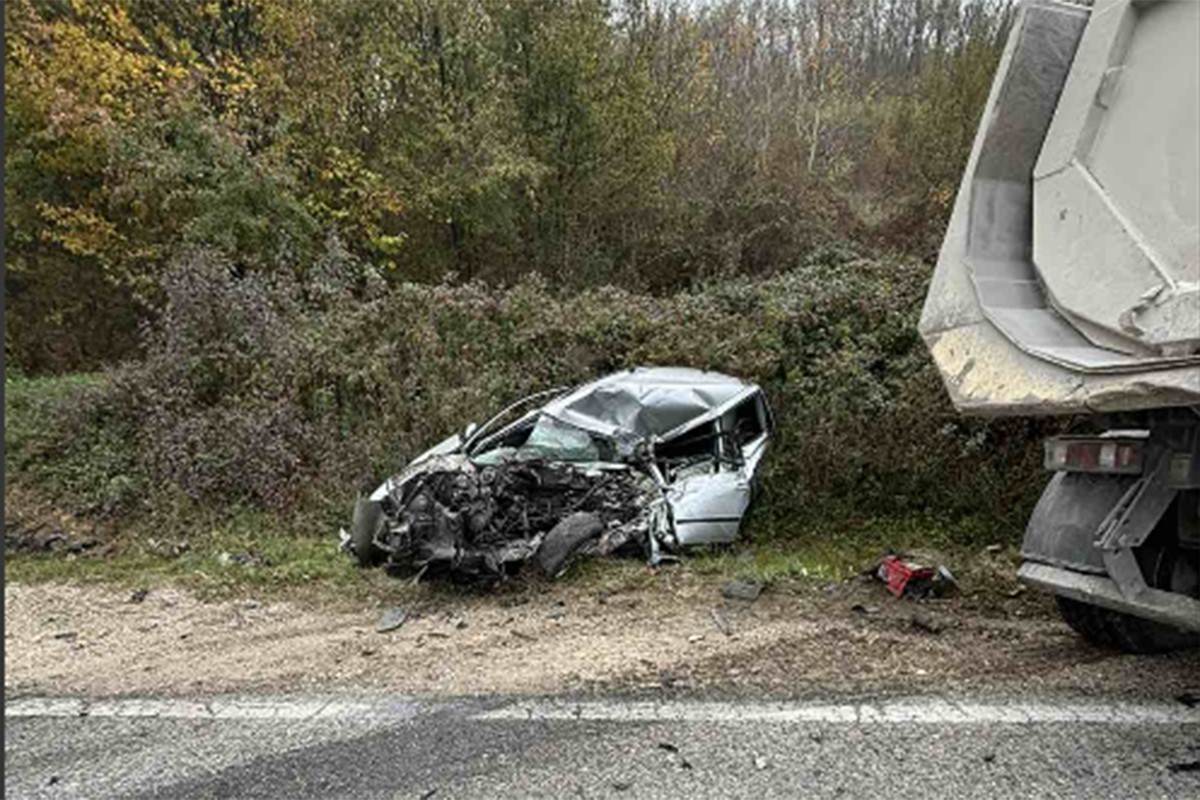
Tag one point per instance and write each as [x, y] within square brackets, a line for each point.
[647, 401]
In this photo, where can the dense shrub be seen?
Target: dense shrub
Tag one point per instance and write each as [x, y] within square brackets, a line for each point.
[290, 393]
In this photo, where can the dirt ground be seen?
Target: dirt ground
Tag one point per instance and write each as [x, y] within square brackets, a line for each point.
[674, 634]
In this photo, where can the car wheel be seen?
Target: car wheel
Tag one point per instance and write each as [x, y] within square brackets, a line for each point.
[1121, 631]
[367, 524]
[565, 540]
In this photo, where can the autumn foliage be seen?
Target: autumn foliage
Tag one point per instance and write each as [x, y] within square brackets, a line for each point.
[649, 145]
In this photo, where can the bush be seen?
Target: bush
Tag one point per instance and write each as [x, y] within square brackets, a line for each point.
[289, 394]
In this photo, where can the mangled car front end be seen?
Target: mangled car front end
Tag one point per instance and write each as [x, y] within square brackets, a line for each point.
[652, 459]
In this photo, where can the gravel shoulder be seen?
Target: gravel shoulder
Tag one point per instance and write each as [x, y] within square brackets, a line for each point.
[658, 637]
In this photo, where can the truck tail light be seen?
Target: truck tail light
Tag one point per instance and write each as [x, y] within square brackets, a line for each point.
[1086, 454]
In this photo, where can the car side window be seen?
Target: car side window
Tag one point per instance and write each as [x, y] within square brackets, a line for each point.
[744, 422]
[700, 443]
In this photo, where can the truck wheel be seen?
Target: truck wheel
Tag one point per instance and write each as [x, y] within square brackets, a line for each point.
[1126, 632]
[1083, 619]
[564, 540]
[367, 523]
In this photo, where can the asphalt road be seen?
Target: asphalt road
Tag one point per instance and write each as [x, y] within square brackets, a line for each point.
[365, 747]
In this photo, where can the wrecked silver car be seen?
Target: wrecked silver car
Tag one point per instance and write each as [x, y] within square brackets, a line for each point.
[650, 459]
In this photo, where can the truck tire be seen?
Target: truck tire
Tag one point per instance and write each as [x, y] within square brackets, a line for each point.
[1082, 619]
[1114, 629]
[367, 523]
[564, 540]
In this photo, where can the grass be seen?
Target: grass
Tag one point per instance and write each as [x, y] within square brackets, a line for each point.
[204, 559]
[201, 557]
[25, 401]
[837, 550]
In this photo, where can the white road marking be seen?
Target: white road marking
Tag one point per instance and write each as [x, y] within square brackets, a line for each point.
[918, 711]
[225, 708]
[904, 711]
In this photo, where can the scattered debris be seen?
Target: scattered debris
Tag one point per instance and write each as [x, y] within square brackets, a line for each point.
[1189, 699]
[169, 549]
[1186, 766]
[906, 578]
[522, 635]
[557, 613]
[428, 794]
[65, 636]
[36, 539]
[460, 623]
[864, 609]
[674, 755]
[392, 619]
[993, 548]
[138, 595]
[247, 558]
[82, 545]
[926, 623]
[696, 637]
[741, 590]
[647, 460]
[622, 786]
[721, 624]
[988, 758]
[760, 762]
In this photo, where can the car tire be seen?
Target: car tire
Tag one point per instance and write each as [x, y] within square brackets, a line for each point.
[1126, 632]
[367, 523]
[565, 540]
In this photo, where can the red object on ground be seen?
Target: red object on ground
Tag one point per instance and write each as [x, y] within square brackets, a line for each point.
[897, 573]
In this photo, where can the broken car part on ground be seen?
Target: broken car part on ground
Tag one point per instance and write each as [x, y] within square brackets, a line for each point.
[652, 459]
[906, 578]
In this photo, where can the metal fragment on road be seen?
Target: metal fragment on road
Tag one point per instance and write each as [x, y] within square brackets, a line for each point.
[925, 622]
[741, 590]
[392, 619]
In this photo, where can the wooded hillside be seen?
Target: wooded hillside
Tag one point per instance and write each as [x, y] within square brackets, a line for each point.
[651, 145]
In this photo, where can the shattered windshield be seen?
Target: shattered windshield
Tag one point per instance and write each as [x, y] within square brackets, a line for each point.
[557, 441]
[552, 440]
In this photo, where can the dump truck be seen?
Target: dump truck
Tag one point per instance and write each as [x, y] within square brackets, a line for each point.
[1068, 283]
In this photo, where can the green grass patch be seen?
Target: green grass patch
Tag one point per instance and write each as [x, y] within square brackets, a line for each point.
[837, 550]
[279, 561]
[67, 447]
[246, 553]
[25, 401]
